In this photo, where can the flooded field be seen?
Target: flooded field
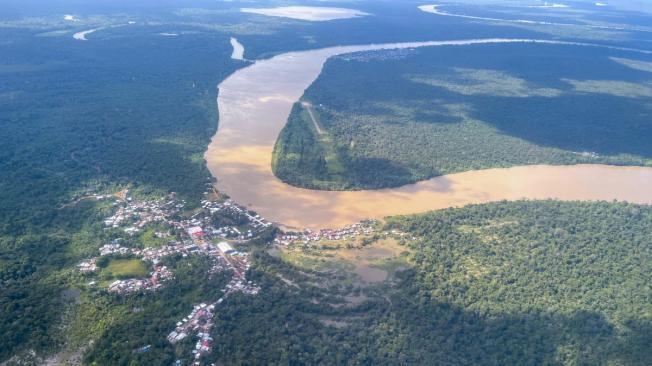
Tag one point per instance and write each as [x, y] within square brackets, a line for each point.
[309, 13]
[370, 264]
[254, 104]
[81, 36]
[366, 260]
[238, 49]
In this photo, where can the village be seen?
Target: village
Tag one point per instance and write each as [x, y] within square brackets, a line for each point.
[349, 232]
[200, 319]
[208, 231]
[132, 216]
[196, 234]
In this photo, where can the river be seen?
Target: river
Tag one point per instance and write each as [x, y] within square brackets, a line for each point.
[255, 102]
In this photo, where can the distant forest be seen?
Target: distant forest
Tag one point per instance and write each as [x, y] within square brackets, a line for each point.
[90, 117]
[130, 108]
[396, 117]
[127, 108]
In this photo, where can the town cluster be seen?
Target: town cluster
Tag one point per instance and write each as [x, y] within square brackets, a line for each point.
[205, 232]
[133, 215]
[195, 235]
[365, 227]
[201, 223]
[200, 320]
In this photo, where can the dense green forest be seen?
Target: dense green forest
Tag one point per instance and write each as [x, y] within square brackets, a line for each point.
[134, 108]
[130, 107]
[82, 121]
[527, 283]
[396, 117]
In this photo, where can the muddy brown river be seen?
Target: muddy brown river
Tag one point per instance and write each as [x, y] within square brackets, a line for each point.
[255, 102]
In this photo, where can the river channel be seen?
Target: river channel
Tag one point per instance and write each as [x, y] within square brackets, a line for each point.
[255, 102]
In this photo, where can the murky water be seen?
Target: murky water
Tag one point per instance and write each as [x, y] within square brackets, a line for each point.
[364, 259]
[255, 102]
[435, 9]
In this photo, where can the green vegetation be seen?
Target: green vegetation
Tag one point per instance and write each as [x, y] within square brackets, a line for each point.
[540, 282]
[524, 283]
[546, 256]
[149, 238]
[125, 268]
[313, 159]
[82, 122]
[133, 109]
[396, 117]
[145, 319]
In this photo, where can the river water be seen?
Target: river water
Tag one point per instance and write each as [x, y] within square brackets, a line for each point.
[255, 102]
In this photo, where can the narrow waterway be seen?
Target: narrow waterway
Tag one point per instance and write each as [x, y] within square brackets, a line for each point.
[255, 102]
[81, 36]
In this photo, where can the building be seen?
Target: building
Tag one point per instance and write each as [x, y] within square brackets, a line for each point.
[225, 247]
[195, 231]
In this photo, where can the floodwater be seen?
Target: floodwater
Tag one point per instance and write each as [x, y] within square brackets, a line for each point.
[309, 13]
[365, 259]
[255, 102]
[434, 9]
[238, 49]
[81, 36]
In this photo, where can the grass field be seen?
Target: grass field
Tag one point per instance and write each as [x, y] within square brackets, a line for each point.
[125, 268]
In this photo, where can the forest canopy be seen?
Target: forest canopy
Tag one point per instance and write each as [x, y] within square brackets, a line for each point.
[394, 117]
[527, 283]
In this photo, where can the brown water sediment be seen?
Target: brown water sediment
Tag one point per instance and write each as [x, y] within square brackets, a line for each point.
[254, 104]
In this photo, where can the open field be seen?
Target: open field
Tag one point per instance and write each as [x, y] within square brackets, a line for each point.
[125, 268]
